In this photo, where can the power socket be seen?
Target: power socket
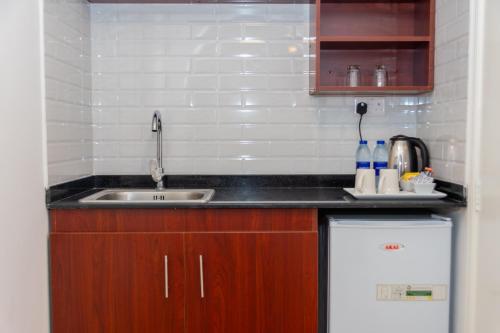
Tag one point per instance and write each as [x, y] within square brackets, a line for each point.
[376, 105]
[361, 108]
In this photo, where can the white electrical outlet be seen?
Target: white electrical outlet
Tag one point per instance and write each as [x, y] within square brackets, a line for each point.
[376, 105]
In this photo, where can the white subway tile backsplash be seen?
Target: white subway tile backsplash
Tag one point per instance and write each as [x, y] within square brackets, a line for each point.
[201, 82]
[266, 166]
[230, 99]
[191, 149]
[203, 99]
[441, 117]
[141, 48]
[304, 132]
[106, 150]
[242, 116]
[288, 82]
[101, 81]
[60, 172]
[182, 166]
[161, 99]
[118, 166]
[243, 49]
[293, 116]
[288, 49]
[116, 65]
[266, 132]
[220, 132]
[165, 31]
[204, 31]
[228, 65]
[68, 84]
[253, 99]
[214, 166]
[243, 149]
[66, 151]
[268, 66]
[128, 115]
[203, 66]
[336, 148]
[293, 149]
[240, 82]
[231, 82]
[191, 48]
[187, 116]
[156, 65]
[118, 133]
[296, 13]
[267, 31]
[175, 133]
[241, 13]
[228, 31]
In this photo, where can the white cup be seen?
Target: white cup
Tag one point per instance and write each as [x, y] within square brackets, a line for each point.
[365, 181]
[424, 188]
[388, 181]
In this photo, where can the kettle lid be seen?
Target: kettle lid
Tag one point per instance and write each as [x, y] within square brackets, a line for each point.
[400, 137]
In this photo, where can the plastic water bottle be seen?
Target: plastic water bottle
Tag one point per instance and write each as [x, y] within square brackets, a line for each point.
[380, 157]
[363, 155]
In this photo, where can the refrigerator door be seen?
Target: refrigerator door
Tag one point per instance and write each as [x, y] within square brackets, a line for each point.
[389, 275]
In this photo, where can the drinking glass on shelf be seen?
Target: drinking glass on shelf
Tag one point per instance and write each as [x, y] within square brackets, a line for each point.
[380, 77]
[353, 76]
[332, 76]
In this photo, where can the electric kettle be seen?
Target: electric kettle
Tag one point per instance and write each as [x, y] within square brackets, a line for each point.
[403, 154]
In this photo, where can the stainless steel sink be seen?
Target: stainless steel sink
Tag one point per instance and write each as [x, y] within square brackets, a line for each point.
[128, 196]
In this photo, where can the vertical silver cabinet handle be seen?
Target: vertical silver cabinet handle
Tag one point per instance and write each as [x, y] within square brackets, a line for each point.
[202, 287]
[166, 276]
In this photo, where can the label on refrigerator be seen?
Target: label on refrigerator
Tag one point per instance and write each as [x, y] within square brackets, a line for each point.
[411, 292]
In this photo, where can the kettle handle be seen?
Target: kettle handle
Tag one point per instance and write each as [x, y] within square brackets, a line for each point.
[423, 151]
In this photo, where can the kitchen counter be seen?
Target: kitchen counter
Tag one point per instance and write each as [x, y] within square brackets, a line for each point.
[244, 192]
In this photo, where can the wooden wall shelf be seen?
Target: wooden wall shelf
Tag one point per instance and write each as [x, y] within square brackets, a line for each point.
[398, 34]
[374, 38]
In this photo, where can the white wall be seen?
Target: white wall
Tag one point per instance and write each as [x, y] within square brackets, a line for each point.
[232, 84]
[68, 84]
[486, 182]
[23, 222]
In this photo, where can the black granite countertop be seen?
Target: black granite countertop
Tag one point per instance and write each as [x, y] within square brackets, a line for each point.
[244, 192]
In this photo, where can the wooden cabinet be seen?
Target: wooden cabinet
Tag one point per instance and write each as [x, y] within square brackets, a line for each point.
[117, 282]
[398, 34]
[251, 282]
[204, 271]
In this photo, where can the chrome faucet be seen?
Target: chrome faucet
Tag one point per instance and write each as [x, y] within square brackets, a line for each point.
[156, 166]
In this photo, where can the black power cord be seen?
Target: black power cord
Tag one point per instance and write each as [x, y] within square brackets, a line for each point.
[361, 109]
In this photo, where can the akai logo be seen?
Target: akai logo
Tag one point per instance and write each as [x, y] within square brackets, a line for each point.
[392, 247]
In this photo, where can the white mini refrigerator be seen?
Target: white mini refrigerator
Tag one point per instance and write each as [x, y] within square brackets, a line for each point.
[389, 274]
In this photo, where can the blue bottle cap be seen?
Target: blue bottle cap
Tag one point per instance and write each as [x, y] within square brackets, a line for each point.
[363, 142]
[380, 142]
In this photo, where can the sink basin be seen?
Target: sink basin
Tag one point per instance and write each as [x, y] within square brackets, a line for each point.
[127, 196]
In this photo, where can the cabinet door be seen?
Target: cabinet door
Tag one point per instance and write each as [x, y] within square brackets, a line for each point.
[117, 283]
[251, 282]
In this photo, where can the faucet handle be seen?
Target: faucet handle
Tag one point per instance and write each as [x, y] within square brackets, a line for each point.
[156, 124]
[155, 170]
